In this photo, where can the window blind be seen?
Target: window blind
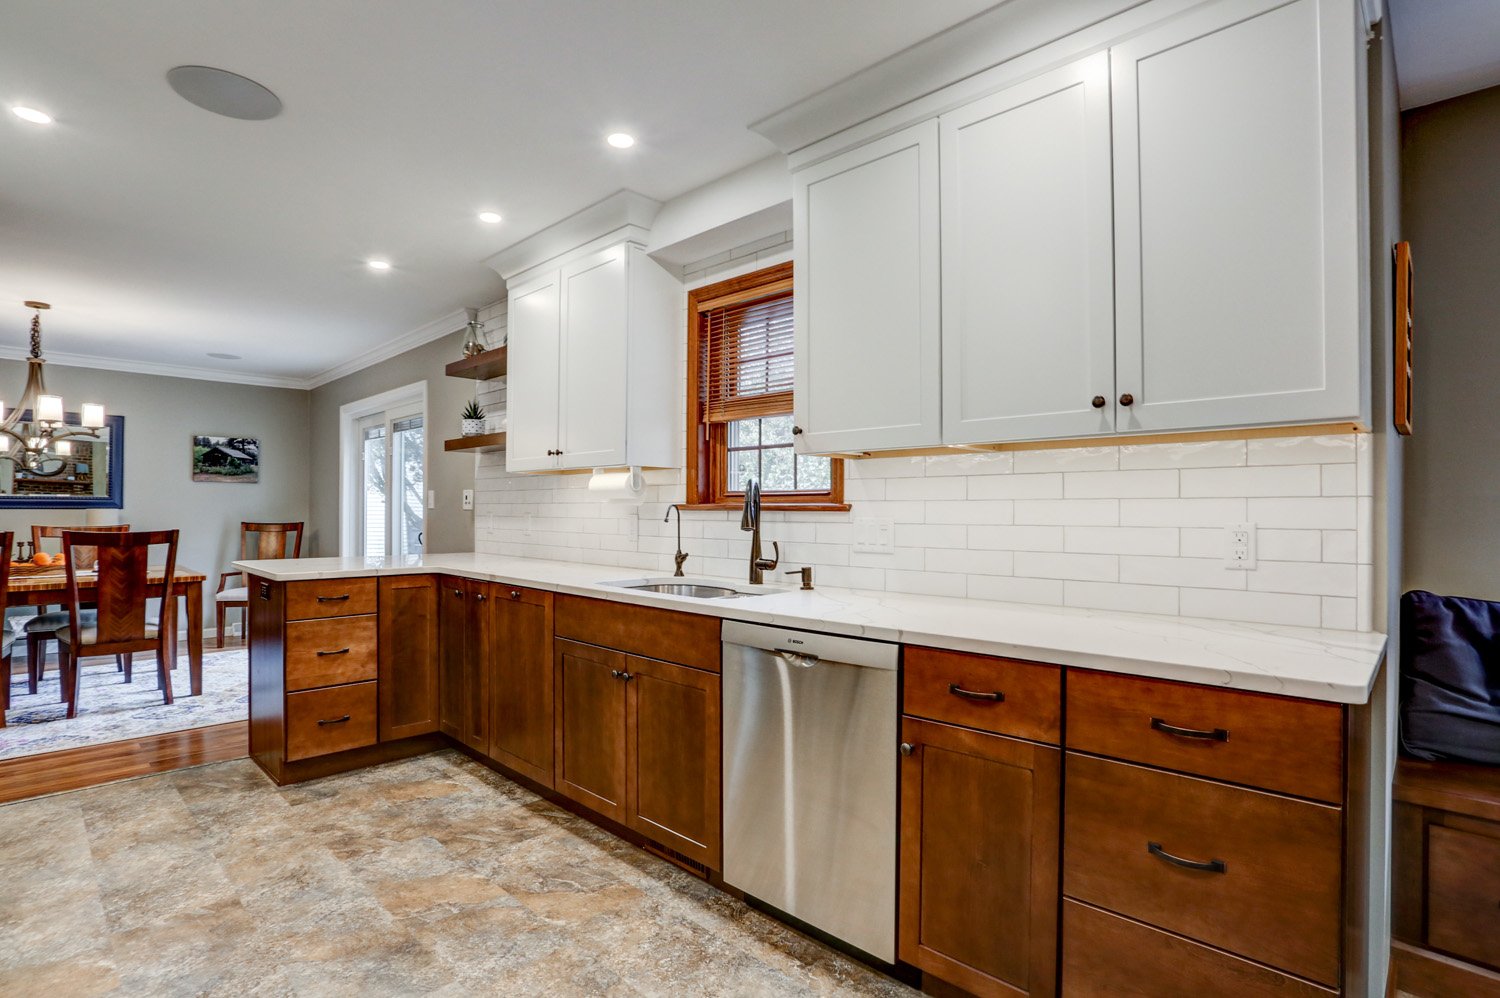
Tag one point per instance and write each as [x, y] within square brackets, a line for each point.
[746, 362]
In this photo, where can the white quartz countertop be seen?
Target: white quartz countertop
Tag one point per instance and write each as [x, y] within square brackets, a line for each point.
[1336, 666]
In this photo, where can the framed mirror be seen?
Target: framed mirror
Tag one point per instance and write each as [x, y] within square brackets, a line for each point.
[90, 476]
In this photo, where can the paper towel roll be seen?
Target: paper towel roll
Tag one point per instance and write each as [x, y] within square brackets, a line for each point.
[620, 486]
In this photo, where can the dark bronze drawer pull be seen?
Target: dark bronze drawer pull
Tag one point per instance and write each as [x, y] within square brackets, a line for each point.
[1215, 735]
[333, 599]
[1212, 866]
[341, 651]
[621, 675]
[336, 720]
[959, 691]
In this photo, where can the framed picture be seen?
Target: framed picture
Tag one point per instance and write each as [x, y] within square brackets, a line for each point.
[1401, 366]
[226, 459]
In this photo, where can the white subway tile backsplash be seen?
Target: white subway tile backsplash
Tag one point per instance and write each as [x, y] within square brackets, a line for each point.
[1139, 528]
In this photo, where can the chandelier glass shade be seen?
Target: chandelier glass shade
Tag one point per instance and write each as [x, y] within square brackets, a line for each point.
[35, 435]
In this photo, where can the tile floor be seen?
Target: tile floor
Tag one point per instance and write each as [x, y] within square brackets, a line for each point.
[427, 876]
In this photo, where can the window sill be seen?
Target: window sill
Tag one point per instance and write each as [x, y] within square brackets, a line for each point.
[766, 506]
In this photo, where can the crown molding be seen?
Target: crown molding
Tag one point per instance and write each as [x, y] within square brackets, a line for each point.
[424, 334]
[158, 369]
[623, 209]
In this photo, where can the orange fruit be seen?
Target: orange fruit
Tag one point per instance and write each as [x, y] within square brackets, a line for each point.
[41, 559]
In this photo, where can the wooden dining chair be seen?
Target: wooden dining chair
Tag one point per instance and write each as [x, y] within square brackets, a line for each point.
[123, 588]
[260, 541]
[43, 627]
[7, 636]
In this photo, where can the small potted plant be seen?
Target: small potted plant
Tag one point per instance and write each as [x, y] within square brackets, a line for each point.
[473, 419]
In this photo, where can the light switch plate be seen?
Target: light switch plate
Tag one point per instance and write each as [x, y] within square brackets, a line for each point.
[468, 498]
[875, 535]
[431, 499]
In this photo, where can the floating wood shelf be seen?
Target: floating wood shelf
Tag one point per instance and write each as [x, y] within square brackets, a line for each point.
[479, 442]
[480, 367]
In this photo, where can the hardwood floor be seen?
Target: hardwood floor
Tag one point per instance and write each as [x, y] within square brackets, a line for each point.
[73, 769]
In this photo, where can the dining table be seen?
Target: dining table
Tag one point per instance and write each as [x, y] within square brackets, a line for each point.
[50, 587]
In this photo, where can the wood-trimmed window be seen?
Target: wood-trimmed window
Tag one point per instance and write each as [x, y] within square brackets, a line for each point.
[740, 373]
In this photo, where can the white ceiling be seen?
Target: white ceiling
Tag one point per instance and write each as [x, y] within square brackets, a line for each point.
[1444, 48]
[161, 232]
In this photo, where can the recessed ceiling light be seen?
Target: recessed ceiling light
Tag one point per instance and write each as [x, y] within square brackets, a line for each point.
[226, 356]
[32, 115]
[223, 92]
[492, 217]
[378, 264]
[620, 140]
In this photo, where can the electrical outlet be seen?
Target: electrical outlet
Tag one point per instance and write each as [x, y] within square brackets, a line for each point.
[875, 535]
[1239, 547]
[527, 527]
[468, 498]
[633, 527]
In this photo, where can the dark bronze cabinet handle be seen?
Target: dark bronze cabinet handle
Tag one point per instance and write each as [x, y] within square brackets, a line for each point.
[333, 599]
[796, 431]
[1212, 866]
[621, 675]
[480, 597]
[959, 691]
[336, 720]
[1127, 399]
[907, 748]
[459, 593]
[515, 594]
[341, 651]
[1099, 401]
[1210, 735]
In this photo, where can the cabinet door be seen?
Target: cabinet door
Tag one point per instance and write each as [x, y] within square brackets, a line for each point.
[520, 681]
[1028, 290]
[673, 733]
[590, 736]
[867, 311]
[478, 652]
[592, 424]
[408, 656]
[453, 653]
[534, 325]
[979, 859]
[1237, 229]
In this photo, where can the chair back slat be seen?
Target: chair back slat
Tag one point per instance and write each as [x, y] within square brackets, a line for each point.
[265, 541]
[40, 532]
[123, 581]
[7, 545]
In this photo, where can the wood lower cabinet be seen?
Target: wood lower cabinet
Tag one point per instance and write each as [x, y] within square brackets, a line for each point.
[521, 681]
[979, 859]
[408, 656]
[638, 741]
[464, 622]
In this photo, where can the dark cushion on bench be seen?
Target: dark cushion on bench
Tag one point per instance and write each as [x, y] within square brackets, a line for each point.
[1450, 677]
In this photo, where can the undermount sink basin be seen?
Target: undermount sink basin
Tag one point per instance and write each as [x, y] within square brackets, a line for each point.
[685, 589]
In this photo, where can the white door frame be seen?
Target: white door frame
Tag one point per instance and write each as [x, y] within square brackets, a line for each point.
[350, 413]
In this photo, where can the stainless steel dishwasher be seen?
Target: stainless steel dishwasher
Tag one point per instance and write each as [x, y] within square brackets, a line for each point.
[810, 760]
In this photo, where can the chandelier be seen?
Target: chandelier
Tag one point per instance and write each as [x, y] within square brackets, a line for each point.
[35, 435]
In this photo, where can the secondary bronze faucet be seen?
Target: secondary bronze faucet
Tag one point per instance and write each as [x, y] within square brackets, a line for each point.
[681, 555]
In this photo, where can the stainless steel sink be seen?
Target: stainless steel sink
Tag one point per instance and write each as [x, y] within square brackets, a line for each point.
[685, 589]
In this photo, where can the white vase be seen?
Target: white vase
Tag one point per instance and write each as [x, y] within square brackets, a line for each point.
[473, 427]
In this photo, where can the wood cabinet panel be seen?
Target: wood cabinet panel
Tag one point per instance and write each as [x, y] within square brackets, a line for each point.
[979, 859]
[409, 648]
[590, 744]
[331, 598]
[1294, 746]
[1105, 954]
[959, 688]
[453, 643]
[521, 682]
[330, 651]
[334, 719]
[674, 732]
[690, 639]
[1274, 894]
[1463, 891]
[464, 681]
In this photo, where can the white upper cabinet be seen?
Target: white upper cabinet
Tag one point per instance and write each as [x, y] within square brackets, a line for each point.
[1237, 233]
[593, 365]
[1028, 295]
[534, 325]
[867, 304]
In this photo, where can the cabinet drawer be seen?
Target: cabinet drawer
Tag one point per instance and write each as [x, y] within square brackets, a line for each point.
[1255, 873]
[1463, 884]
[319, 722]
[330, 598]
[330, 652]
[668, 635]
[1294, 746]
[1104, 954]
[959, 688]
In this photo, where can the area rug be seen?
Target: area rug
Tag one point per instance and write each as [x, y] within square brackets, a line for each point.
[110, 709]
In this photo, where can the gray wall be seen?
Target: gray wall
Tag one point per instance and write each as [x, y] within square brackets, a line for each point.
[162, 415]
[1450, 168]
[449, 526]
